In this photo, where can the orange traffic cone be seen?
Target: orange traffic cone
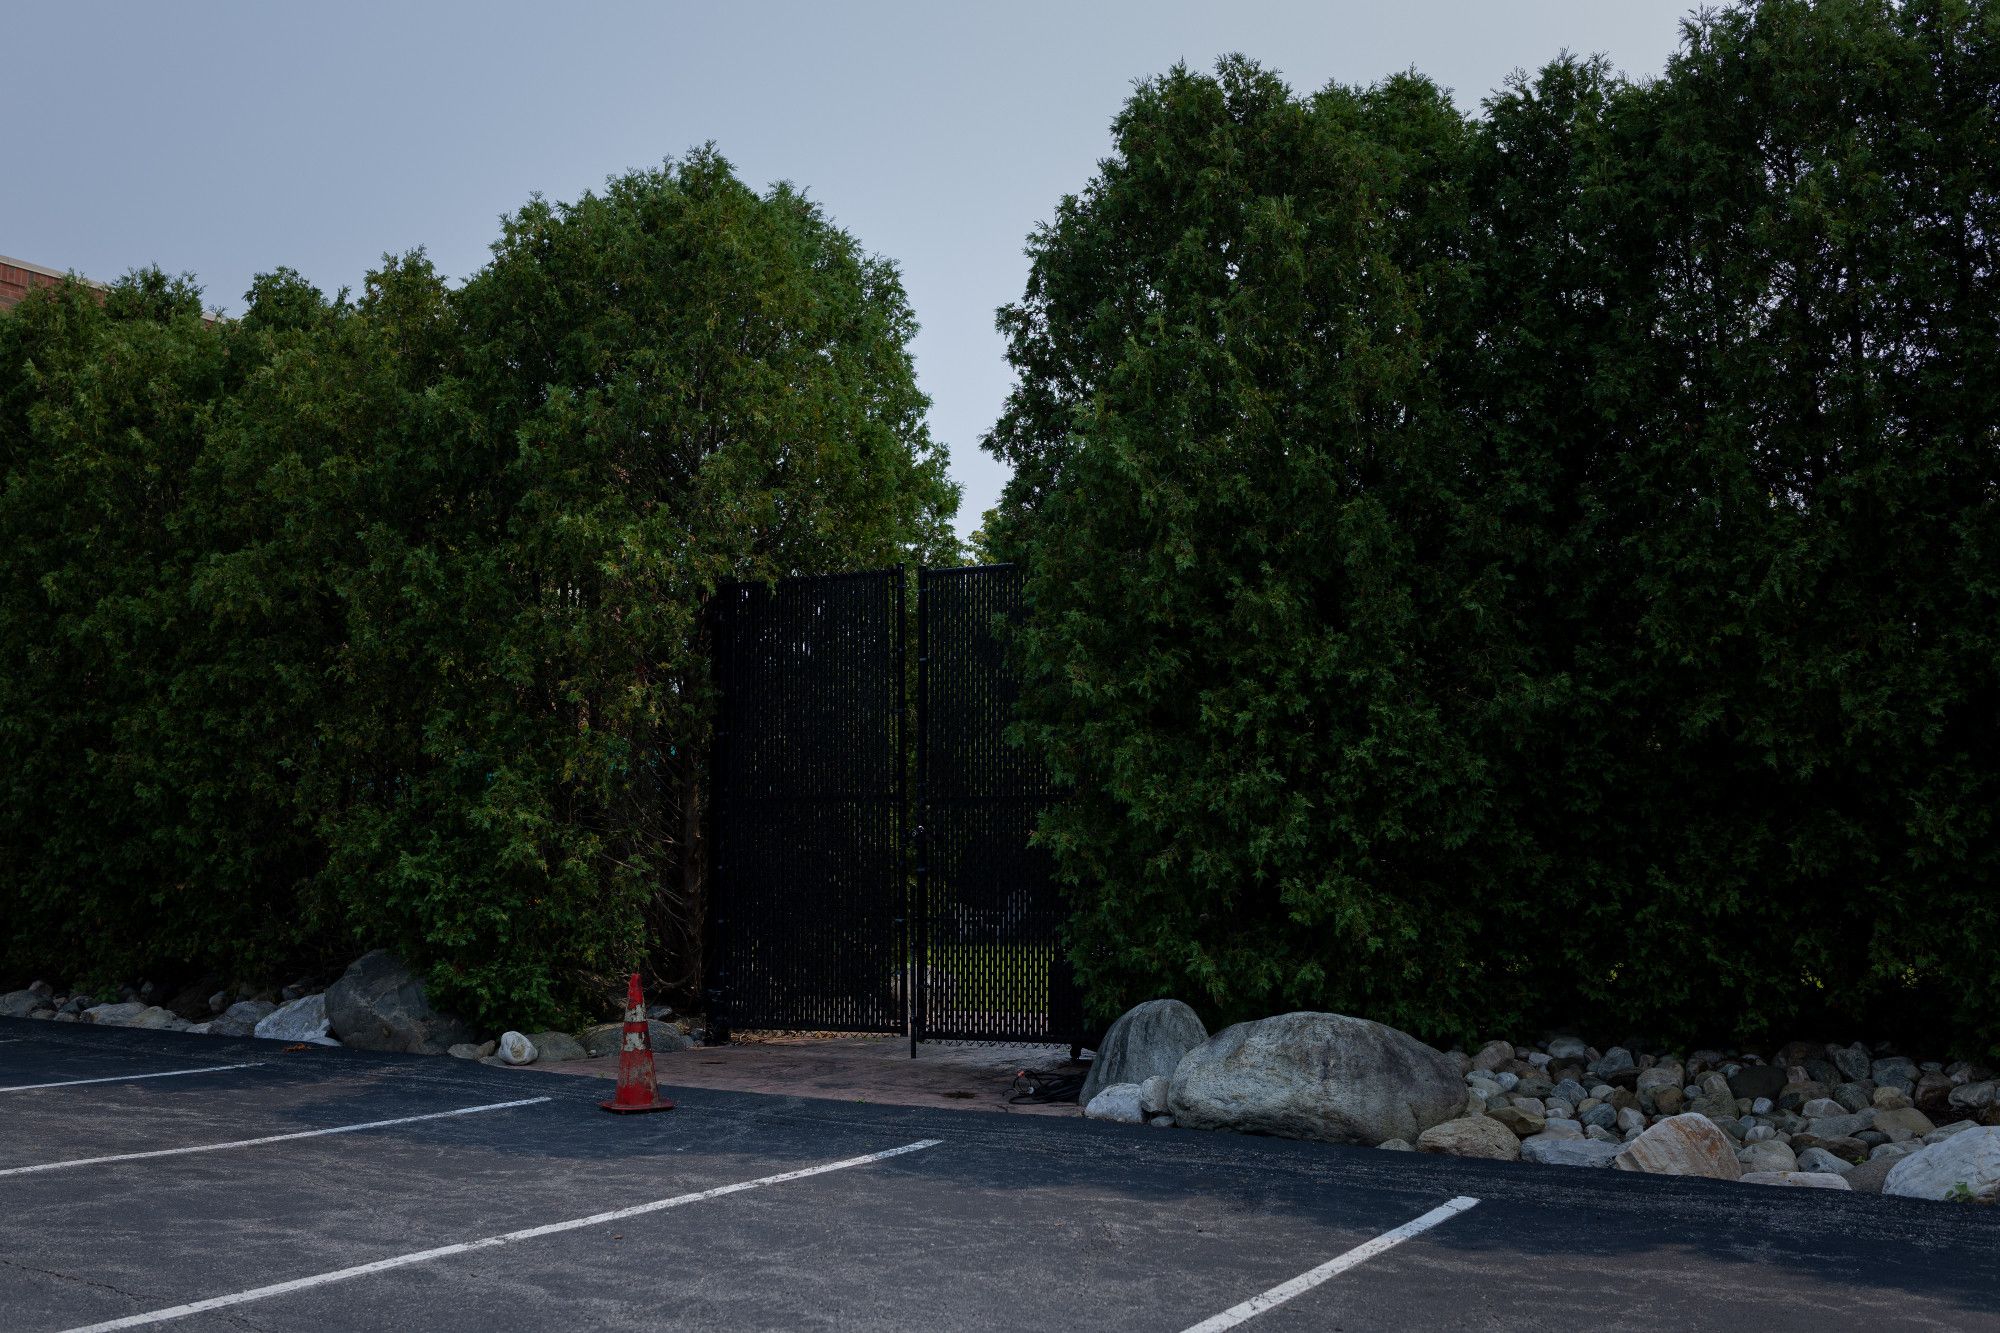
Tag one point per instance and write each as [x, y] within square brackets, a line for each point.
[637, 1089]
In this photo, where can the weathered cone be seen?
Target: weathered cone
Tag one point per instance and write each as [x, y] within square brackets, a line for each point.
[637, 1088]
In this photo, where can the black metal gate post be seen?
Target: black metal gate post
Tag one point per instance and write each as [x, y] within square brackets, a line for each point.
[919, 968]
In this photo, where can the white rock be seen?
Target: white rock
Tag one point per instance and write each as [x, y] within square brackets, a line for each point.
[1552, 1151]
[1118, 1103]
[515, 1049]
[1812, 1180]
[302, 1020]
[1153, 1096]
[1963, 1168]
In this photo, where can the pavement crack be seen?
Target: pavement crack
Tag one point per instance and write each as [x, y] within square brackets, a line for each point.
[72, 1277]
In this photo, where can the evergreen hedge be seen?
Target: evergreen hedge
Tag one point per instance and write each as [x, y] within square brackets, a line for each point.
[377, 621]
[1535, 567]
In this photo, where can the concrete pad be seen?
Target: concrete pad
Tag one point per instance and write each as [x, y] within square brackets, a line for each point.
[878, 1070]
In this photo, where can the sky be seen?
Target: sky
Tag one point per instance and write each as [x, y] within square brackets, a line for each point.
[226, 139]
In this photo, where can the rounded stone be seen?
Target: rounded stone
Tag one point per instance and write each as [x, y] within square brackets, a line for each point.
[1471, 1136]
[1316, 1076]
[1147, 1039]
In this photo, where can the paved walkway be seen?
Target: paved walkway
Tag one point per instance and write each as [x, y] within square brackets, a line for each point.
[878, 1070]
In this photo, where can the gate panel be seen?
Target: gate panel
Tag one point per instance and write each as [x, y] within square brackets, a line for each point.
[988, 952]
[809, 903]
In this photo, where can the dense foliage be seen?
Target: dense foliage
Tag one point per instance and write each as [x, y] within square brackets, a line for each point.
[377, 621]
[1539, 566]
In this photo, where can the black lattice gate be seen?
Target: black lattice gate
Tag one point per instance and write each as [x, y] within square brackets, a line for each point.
[823, 912]
[989, 916]
[809, 899]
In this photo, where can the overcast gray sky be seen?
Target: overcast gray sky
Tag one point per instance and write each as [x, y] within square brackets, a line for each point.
[227, 139]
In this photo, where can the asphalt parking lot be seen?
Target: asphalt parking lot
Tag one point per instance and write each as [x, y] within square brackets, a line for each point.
[335, 1189]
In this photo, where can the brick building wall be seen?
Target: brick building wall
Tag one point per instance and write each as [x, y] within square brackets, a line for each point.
[18, 277]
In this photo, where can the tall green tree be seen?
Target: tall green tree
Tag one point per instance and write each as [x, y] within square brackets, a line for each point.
[1255, 638]
[1522, 569]
[379, 621]
[649, 390]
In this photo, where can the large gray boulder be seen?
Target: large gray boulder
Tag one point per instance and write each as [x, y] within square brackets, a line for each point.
[1146, 1041]
[304, 1019]
[553, 1046]
[19, 1004]
[1964, 1168]
[1316, 1076]
[379, 1005]
[241, 1019]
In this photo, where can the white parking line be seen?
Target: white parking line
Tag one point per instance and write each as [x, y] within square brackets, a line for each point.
[122, 1078]
[268, 1138]
[1334, 1267]
[488, 1242]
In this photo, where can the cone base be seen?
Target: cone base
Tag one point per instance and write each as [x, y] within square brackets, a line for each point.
[657, 1104]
